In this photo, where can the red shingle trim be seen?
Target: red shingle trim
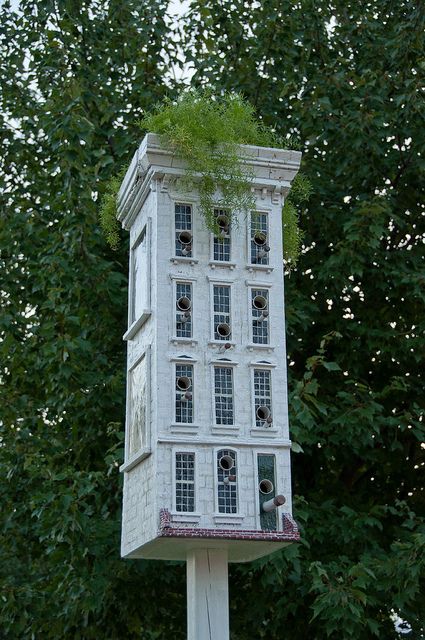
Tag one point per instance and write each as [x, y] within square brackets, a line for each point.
[169, 529]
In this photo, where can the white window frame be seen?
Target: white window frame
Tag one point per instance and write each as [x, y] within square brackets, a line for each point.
[263, 431]
[220, 283]
[278, 486]
[183, 259]
[176, 452]
[253, 266]
[182, 427]
[178, 281]
[184, 516]
[132, 459]
[222, 263]
[177, 363]
[220, 516]
[250, 235]
[250, 287]
[222, 365]
[134, 323]
[254, 416]
[172, 319]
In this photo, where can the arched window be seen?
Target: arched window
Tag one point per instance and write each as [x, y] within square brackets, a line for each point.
[227, 491]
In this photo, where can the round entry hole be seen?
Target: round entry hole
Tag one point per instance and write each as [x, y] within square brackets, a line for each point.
[183, 383]
[226, 463]
[266, 486]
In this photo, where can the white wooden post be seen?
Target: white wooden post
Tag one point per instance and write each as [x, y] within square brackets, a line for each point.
[207, 595]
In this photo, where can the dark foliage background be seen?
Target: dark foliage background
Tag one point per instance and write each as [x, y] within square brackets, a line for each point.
[347, 78]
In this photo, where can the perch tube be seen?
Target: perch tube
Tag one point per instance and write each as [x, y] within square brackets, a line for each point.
[273, 503]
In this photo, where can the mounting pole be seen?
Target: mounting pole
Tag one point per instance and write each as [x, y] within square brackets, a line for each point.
[207, 595]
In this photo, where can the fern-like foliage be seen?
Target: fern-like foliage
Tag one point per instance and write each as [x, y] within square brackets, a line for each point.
[206, 131]
[301, 190]
[108, 210]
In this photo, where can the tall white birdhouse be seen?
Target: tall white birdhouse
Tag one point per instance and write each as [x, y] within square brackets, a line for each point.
[207, 448]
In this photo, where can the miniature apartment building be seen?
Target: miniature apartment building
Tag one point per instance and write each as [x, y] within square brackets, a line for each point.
[207, 448]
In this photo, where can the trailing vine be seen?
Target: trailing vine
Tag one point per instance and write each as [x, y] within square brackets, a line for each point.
[206, 132]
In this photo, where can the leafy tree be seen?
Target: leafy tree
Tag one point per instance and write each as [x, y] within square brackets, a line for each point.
[77, 76]
[346, 78]
[343, 76]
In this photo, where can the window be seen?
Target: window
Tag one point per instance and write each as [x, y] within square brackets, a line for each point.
[266, 464]
[227, 494]
[223, 395]
[221, 247]
[183, 230]
[183, 310]
[184, 393]
[259, 238]
[138, 403]
[140, 283]
[262, 398]
[185, 482]
[260, 313]
[221, 295]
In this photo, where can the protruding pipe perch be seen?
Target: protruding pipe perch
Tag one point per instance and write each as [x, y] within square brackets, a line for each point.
[275, 502]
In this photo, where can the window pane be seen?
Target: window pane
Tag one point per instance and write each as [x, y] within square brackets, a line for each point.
[138, 404]
[262, 395]
[260, 324]
[223, 389]
[183, 318]
[183, 222]
[221, 294]
[259, 238]
[227, 483]
[185, 482]
[140, 280]
[184, 394]
[222, 242]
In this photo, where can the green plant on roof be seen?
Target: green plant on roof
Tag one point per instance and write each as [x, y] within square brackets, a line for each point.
[206, 132]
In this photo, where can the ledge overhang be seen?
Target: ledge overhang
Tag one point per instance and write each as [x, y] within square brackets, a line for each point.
[176, 539]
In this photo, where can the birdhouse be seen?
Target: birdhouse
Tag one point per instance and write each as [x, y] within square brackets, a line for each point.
[207, 448]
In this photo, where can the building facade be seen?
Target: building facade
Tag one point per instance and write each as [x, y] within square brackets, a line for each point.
[207, 448]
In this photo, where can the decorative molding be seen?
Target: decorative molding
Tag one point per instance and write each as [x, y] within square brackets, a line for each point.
[262, 365]
[224, 362]
[187, 341]
[258, 285]
[218, 264]
[260, 347]
[182, 278]
[276, 195]
[183, 359]
[184, 428]
[266, 268]
[183, 260]
[239, 442]
[220, 343]
[273, 170]
[267, 432]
